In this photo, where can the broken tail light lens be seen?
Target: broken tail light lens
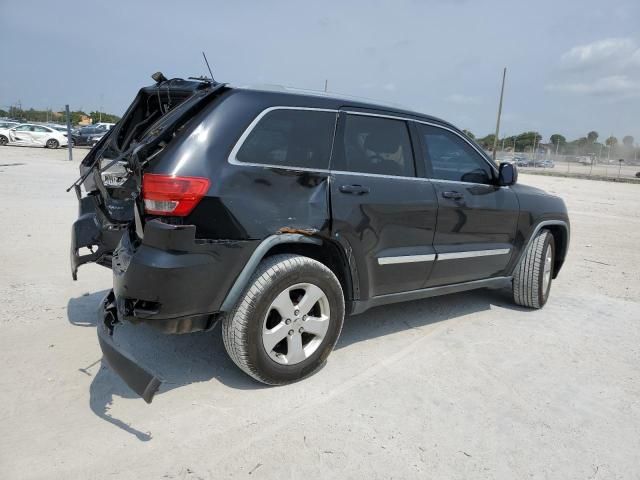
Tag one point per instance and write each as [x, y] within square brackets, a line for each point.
[171, 195]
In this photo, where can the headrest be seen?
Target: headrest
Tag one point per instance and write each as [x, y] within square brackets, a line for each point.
[381, 143]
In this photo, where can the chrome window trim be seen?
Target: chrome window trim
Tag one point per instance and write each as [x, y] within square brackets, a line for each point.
[406, 259]
[232, 159]
[472, 254]
[433, 124]
[379, 175]
[467, 183]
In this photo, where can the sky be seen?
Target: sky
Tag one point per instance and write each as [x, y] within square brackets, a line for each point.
[572, 65]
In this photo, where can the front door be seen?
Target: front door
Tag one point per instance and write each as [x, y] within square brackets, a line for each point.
[381, 211]
[21, 135]
[477, 219]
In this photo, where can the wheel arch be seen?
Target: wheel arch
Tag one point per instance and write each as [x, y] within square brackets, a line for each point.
[560, 231]
[323, 250]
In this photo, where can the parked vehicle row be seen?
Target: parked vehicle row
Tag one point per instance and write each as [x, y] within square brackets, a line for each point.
[522, 161]
[277, 213]
[50, 135]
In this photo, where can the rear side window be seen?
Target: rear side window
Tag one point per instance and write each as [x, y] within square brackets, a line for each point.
[449, 157]
[291, 138]
[376, 145]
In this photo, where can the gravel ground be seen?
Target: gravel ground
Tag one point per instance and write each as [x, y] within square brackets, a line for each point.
[456, 387]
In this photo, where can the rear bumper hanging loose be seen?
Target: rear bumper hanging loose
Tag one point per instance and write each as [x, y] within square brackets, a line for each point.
[138, 378]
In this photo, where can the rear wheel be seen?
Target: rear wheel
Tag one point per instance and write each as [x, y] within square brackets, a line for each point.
[52, 143]
[532, 277]
[3, 140]
[287, 321]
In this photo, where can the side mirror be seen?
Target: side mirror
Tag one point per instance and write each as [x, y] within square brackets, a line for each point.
[508, 174]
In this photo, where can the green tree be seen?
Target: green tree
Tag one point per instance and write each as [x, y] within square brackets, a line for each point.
[627, 141]
[97, 116]
[592, 136]
[487, 142]
[468, 133]
[526, 140]
[558, 139]
[611, 141]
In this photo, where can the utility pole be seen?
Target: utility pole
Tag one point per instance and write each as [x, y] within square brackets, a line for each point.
[514, 144]
[533, 149]
[326, 84]
[69, 147]
[495, 140]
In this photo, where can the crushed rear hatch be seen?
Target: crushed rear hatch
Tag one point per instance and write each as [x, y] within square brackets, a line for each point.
[112, 170]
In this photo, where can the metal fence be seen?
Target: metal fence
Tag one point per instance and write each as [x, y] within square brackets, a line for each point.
[572, 164]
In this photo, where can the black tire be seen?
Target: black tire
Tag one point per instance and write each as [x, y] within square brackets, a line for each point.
[529, 288]
[52, 143]
[3, 140]
[242, 328]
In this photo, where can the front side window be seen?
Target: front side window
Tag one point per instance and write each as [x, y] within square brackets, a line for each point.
[376, 145]
[449, 157]
[291, 138]
[23, 128]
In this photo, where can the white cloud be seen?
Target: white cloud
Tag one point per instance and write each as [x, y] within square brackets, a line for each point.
[607, 53]
[613, 85]
[460, 99]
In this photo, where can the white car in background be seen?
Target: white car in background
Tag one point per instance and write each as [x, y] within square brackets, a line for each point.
[32, 135]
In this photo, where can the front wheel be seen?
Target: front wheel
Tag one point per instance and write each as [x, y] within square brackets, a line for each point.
[287, 321]
[3, 140]
[533, 275]
[52, 143]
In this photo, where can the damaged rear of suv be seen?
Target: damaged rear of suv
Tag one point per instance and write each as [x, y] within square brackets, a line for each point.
[280, 212]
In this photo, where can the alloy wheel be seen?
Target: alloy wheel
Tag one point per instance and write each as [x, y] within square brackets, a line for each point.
[295, 324]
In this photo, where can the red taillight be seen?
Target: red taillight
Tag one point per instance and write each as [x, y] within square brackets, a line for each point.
[169, 195]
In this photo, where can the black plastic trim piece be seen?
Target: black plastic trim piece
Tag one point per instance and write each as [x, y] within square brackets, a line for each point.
[495, 282]
[256, 257]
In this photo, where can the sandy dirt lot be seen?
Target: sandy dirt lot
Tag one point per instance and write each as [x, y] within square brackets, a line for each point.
[456, 387]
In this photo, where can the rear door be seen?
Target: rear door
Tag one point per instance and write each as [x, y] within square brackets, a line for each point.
[477, 219]
[39, 135]
[381, 210]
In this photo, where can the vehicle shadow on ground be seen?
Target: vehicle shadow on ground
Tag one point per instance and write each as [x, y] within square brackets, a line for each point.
[390, 319]
[181, 360]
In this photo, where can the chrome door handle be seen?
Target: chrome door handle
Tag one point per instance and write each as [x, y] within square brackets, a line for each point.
[354, 189]
[453, 195]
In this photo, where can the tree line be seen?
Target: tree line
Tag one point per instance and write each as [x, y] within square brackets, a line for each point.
[587, 145]
[32, 115]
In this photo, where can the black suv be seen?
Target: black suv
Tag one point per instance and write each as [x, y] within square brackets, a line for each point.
[280, 212]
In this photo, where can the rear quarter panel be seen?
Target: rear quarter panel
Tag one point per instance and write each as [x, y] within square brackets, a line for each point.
[244, 202]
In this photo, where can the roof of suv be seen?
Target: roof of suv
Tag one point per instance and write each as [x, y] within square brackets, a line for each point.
[291, 96]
